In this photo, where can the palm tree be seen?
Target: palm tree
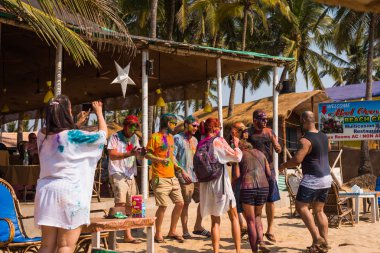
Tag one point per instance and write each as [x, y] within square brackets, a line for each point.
[11, 127]
[297, 39]
[45, 19]
[350, 26]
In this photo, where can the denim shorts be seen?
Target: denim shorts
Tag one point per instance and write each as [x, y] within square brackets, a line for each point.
[307, 195]
[274, 193]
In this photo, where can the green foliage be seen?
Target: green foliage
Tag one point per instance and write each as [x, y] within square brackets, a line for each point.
[11, 127]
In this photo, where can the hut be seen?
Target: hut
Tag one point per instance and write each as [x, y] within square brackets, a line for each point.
[180, 71]
[290, 107]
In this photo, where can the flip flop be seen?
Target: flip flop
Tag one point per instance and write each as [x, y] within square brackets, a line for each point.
[204, 233]
[176, 237]
[243, 232]
[263, 248]
[159, 240]
[134, 241]
[187, 236]
[316, 248]
[270, 237]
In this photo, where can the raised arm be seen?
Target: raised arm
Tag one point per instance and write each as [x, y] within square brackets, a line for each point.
[97, 106]
[225, 153]
[304, 147]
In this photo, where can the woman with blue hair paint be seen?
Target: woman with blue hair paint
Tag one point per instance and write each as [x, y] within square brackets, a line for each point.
[68, 159]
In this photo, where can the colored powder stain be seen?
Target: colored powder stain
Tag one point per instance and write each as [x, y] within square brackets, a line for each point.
[79, 137]
[60, 148]
[101, 146]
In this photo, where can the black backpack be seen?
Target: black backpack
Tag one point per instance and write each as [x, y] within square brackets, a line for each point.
[206, 168]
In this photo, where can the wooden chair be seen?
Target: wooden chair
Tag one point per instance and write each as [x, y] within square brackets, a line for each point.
[292, 182]
[97, 181]
[13, 237]
[338, 209]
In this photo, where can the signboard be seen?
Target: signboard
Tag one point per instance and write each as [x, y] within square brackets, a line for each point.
[350, 121]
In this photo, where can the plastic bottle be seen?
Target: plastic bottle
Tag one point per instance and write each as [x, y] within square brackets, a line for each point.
[26, 158]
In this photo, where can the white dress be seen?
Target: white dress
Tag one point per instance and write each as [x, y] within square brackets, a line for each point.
[68, 162]
[213, 201]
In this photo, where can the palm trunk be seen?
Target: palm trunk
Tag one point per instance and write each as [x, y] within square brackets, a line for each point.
[153, 19]
[365, 160]
[243, 44]
[232, 97]
[245, 26]
[35, 126]
[116, 117]
[171, 20]
[20, 129]
[214, 40]
[206, 93]
[243, 95]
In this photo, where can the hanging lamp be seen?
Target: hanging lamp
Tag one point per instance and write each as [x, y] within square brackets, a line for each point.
[49, 94]
[160, 101]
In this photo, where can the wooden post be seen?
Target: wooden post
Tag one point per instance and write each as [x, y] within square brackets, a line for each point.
[58, 71]
[275, 116]
[220, 94]
[284, 156]
[144, 171]
[186, 108]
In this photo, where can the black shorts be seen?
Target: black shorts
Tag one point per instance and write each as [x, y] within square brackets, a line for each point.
[254, 197]
[307, 195]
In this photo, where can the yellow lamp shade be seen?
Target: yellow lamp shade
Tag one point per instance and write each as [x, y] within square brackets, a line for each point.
[5, 108]
[49, 95]
[208, 107]
[160, 102]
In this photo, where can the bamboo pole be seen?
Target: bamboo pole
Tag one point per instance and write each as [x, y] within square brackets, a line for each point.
[58, 71]
[220, 94]
[144, 171]
[275, 116]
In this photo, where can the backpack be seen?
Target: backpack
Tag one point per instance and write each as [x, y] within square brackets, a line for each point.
[206, 168]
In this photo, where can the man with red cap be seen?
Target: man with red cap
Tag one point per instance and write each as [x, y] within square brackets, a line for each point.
[264, 139]
[123, 149]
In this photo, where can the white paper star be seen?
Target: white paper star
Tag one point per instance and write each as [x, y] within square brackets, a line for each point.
[123, 77]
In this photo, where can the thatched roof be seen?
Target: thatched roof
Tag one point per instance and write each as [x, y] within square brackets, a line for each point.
[180, 70]
[358, 5]
[287, 103]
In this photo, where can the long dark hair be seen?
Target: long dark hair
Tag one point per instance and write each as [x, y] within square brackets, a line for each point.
[57, 115]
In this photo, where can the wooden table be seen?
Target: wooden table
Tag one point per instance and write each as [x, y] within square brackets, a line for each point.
[113, 225]
[373, 196]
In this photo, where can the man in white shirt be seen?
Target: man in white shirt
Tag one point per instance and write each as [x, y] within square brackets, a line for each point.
[123, 148]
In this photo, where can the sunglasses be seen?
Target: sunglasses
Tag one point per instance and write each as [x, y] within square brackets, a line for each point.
[262, 119]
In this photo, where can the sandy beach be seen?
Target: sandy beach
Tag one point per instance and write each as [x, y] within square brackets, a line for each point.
[291, 234]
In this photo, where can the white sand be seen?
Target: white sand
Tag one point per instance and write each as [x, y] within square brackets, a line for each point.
[292, 235]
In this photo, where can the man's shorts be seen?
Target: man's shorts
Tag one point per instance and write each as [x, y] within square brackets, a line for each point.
[307, 195]
[123, 188]
[254, 197]
[190, 192]
[274, 193]
[166, 189]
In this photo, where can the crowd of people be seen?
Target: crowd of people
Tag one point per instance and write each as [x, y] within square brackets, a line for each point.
[190, 165]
